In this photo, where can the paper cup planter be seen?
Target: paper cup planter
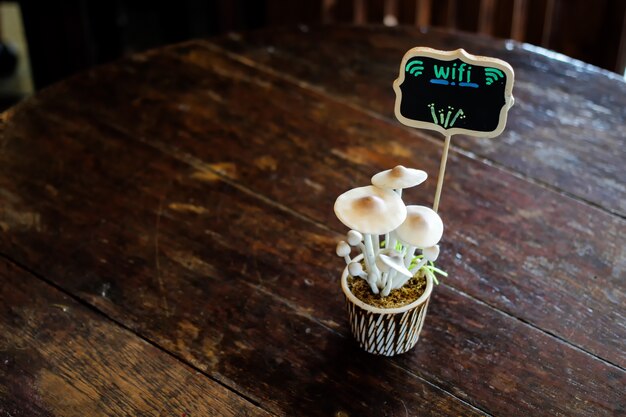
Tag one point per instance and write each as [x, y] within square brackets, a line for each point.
[385, 331]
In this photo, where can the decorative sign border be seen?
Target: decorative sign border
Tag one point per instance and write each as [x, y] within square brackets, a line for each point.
[469, 59]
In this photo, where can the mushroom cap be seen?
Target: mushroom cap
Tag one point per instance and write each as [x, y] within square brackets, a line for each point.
[393, 260]
[383, 266]
[399, 177]
[431, 253]
[422, 228]
[343, 249]
[354, 237]
[355, 268]
[370, 210]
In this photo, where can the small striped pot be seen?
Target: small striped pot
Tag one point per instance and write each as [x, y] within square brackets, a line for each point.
[386, 331]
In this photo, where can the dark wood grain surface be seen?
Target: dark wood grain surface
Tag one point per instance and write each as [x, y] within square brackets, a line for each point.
[59, 358]
[568, 115]
[181, 200]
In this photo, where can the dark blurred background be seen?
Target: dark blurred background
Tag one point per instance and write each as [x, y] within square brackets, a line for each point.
[59, 38]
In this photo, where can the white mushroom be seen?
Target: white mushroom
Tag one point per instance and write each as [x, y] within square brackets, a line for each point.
[356, 270]
[343, 250]
[422, 228]
[398, 178]
[371, 211]
[431, 253]
[391, 264]
[392, 261]
[354, 237]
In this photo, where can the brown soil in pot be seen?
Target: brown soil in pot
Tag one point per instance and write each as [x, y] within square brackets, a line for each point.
[409, 292]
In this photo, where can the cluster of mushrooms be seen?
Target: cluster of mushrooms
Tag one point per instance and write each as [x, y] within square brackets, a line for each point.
[378, 210]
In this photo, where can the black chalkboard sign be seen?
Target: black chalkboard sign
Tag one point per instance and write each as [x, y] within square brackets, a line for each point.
[453, 92]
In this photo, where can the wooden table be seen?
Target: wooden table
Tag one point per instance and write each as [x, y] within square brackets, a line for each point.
[168, 236]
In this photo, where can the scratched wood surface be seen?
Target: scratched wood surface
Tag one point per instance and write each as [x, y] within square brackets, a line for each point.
[59, 358]
[191, 202]
[568, 115]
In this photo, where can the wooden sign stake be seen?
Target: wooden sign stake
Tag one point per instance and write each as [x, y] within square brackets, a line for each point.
[442, 172]
[453, 92]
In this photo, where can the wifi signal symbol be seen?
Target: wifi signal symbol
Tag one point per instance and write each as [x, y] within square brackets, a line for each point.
[492, 75]
[414, 67]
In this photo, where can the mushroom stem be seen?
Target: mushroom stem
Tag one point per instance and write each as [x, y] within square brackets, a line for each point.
[366, 259]
[408, 256]
[376, 243]
[387, 241]
[347, 259]
[399, 192]
[387, 289]
[373, 282]
[400, 282]
[373, 286]
[373, 271]
[403, 279]
[384, 277]
[390, 279]
[394, 240]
